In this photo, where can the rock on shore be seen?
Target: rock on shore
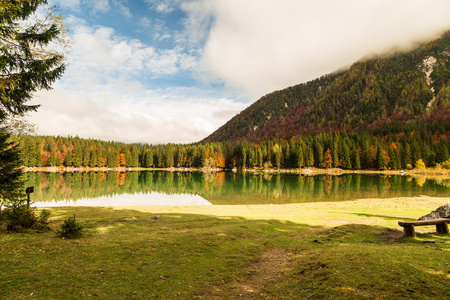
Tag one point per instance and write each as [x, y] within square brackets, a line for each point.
[441, 212]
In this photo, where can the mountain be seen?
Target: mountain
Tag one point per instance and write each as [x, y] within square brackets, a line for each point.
[402, 89]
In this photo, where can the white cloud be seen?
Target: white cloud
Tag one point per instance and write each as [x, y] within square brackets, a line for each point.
[103, 94]
[261, 46]
[132, 115]
[145, 22]
[122, 5]
[101, 6]
[162, 6]
[99, 51]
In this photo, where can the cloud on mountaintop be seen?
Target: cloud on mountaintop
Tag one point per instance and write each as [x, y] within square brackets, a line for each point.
[260, 46]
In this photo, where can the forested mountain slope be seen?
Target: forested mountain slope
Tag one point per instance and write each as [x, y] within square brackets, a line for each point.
[403, 89]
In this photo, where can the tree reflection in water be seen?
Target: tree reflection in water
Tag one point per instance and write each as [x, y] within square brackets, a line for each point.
[228, 188]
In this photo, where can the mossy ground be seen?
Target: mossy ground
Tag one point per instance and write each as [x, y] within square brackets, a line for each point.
[345, 250]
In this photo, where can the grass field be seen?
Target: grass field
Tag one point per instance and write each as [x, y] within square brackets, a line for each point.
[343, 250]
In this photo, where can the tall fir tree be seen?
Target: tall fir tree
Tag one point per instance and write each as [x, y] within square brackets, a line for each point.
[357, 162]
[10, 174]
[381, 159]
[27, 65]
[346, 160]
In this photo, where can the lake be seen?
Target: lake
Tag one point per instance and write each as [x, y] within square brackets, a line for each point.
[223, 188]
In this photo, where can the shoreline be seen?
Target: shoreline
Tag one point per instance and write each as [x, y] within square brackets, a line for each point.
[303, 171]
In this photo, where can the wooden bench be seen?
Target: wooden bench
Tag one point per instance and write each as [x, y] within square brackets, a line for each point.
[408, 226]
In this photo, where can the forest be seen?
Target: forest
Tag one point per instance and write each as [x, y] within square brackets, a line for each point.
[427, 146]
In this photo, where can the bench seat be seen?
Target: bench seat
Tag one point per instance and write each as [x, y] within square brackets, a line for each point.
[408, 226]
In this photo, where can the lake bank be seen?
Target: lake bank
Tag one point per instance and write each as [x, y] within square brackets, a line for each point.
[303, 171]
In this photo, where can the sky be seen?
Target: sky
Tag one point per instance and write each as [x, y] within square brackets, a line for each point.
[174, 71]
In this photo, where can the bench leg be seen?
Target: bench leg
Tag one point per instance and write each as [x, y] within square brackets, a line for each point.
[409, 231]
[442, 228]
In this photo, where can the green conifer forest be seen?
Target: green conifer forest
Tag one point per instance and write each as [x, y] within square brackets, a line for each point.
[353, 150]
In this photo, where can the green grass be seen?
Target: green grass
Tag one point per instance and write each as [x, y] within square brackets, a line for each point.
[207, 253]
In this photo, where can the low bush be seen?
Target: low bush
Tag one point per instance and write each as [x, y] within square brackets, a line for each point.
[70, 229]
[18, 217]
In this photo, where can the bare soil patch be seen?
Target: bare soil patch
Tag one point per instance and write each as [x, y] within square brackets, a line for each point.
[274, 265]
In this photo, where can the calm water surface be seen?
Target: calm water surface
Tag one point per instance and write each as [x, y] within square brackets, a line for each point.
[191, 188]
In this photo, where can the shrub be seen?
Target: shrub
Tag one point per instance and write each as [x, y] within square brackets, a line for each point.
[19, 217]
[70, 229]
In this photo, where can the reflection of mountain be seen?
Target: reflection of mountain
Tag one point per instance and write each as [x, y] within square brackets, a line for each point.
[229, 188]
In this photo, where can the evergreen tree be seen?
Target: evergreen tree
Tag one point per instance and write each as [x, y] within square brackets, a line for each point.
[393, 159]
[259, 157]
[99, 156]
[27, 63]
[179, 156]
[406, 155]
[276, 154]
[111, 159]
[51, 159]
[10, 174]
[77, 155]
[416, 152]
[442, 152]
[69, 159]
[134, 157]
[37, 153]
[318, 152]
[93, 158]
[149, 158]
[357, 163]
[309, 156]
[30, 149]
[335, 154]
[366, 155]
[86, 156]
[346, 161]
[381, 159]
[299, 156]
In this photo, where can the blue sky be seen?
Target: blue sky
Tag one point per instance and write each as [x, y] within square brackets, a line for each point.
[173, 71]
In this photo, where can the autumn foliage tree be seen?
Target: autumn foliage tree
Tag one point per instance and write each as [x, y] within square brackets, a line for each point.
[327, 161]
